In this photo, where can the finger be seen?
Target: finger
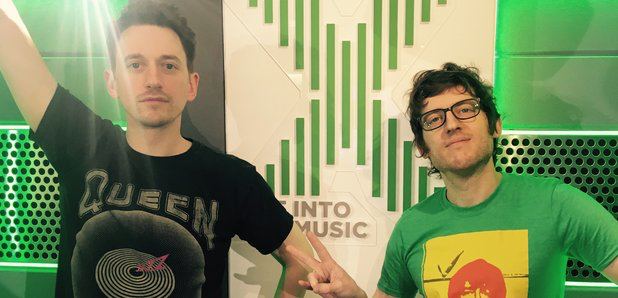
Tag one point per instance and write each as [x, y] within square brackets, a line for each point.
[305, 284]
[313, 279]
[302, 257]
[320, 249]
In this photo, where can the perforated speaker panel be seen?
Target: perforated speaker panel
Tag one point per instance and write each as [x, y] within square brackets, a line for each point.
[586, 162]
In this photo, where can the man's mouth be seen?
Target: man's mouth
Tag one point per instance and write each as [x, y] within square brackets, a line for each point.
[457, 141]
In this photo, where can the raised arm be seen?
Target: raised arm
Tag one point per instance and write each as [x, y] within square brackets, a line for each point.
[22, 67]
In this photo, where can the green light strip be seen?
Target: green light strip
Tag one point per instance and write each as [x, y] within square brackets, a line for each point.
[315, 147]
[300, 156]
[425, 10]
[590, 284]
[283, 23]
[268, 11]
[392, 166]
[392, 34]
[407, 175]
[422, 184]
[330, 94]
[376, 164]
[270, 176]
[345, 94]
[562, 132]
[11, 180]
[27, 265]
[361, 132]
[16, 127]
[285, 167]
[409, 23]
[377, 44]
[315, 44]
[299, 18]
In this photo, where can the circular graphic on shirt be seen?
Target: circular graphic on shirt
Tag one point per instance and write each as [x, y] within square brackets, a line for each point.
[136, 254]
[478, 278]
[127, 272]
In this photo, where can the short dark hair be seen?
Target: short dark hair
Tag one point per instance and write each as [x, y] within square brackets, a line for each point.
[434, 82]
[152, 12]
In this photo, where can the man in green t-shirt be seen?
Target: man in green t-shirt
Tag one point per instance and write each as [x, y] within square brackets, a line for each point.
[487, 234]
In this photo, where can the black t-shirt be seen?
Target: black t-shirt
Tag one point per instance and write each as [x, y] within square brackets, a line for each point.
[152, 226]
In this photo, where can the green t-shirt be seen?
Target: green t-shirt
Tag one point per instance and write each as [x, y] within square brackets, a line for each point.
[514, 244]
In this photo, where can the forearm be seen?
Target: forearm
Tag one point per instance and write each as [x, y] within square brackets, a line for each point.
[24, 71]
[293, 273]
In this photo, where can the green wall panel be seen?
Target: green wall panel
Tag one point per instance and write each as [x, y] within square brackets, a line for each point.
[77, 27]
[557, 26]
[84, 79]
[570, 93]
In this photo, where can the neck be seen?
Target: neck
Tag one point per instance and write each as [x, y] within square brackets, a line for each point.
[466, 189]
[157, 141]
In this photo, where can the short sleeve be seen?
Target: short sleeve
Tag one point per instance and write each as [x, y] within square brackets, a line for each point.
[395, 279]
[589, 232]
[263, 221]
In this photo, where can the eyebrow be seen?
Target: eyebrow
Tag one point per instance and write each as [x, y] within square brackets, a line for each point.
[162, 57]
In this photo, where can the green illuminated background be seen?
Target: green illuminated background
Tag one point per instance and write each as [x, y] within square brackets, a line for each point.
[553, 71]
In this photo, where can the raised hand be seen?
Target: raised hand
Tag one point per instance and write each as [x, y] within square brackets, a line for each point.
[327, 278]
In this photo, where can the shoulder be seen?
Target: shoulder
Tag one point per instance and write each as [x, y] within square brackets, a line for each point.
[219, 162]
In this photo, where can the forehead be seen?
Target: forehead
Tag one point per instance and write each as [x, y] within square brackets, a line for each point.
[445, 99]
[150, 41]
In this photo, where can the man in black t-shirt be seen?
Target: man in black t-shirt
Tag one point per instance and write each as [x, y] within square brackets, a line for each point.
[146, 212]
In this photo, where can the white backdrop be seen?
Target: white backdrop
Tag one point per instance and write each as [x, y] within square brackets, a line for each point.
[265, 94]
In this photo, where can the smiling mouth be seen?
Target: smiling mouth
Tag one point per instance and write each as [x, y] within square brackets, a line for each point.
[457, 142]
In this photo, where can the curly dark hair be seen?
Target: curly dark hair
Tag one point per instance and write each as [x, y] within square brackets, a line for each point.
[152, 12]
[434, 82]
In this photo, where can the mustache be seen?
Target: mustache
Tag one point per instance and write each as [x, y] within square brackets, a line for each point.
[151, 94]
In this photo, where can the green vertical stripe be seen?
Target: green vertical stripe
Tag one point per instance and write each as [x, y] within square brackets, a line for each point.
[392, 34]
[283, 24]
[345, 94]
[422, 184]
[392, 165]
[285, 167]
[409, 23]
[315, 44]
[376, 165]
[441, 1]
[300, 156]
[330, 94]
[407, 175]
[268, 11]
[299, 18]
[377, 44]
[315, 147]
[362, 94]
[425, 10]
[270, 176]
[252, 3]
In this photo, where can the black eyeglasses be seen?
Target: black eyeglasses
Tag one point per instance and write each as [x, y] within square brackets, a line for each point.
[465, 109]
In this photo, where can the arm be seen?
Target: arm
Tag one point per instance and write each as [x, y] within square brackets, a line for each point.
[23, 69]
[611, 271]
[294, 269]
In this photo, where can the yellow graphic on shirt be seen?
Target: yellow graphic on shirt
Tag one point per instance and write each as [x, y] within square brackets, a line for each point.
[491, 264]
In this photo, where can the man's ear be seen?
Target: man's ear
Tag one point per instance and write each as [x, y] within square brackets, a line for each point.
[110, 83]
[194, 81]
[498, 131]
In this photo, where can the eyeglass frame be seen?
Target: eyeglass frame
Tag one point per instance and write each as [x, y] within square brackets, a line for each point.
[477, 106]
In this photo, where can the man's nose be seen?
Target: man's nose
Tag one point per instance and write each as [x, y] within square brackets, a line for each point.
[452, 123]
[152, 79]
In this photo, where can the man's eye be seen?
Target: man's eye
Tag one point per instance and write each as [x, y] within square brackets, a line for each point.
[134, 65]
[169, 66]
